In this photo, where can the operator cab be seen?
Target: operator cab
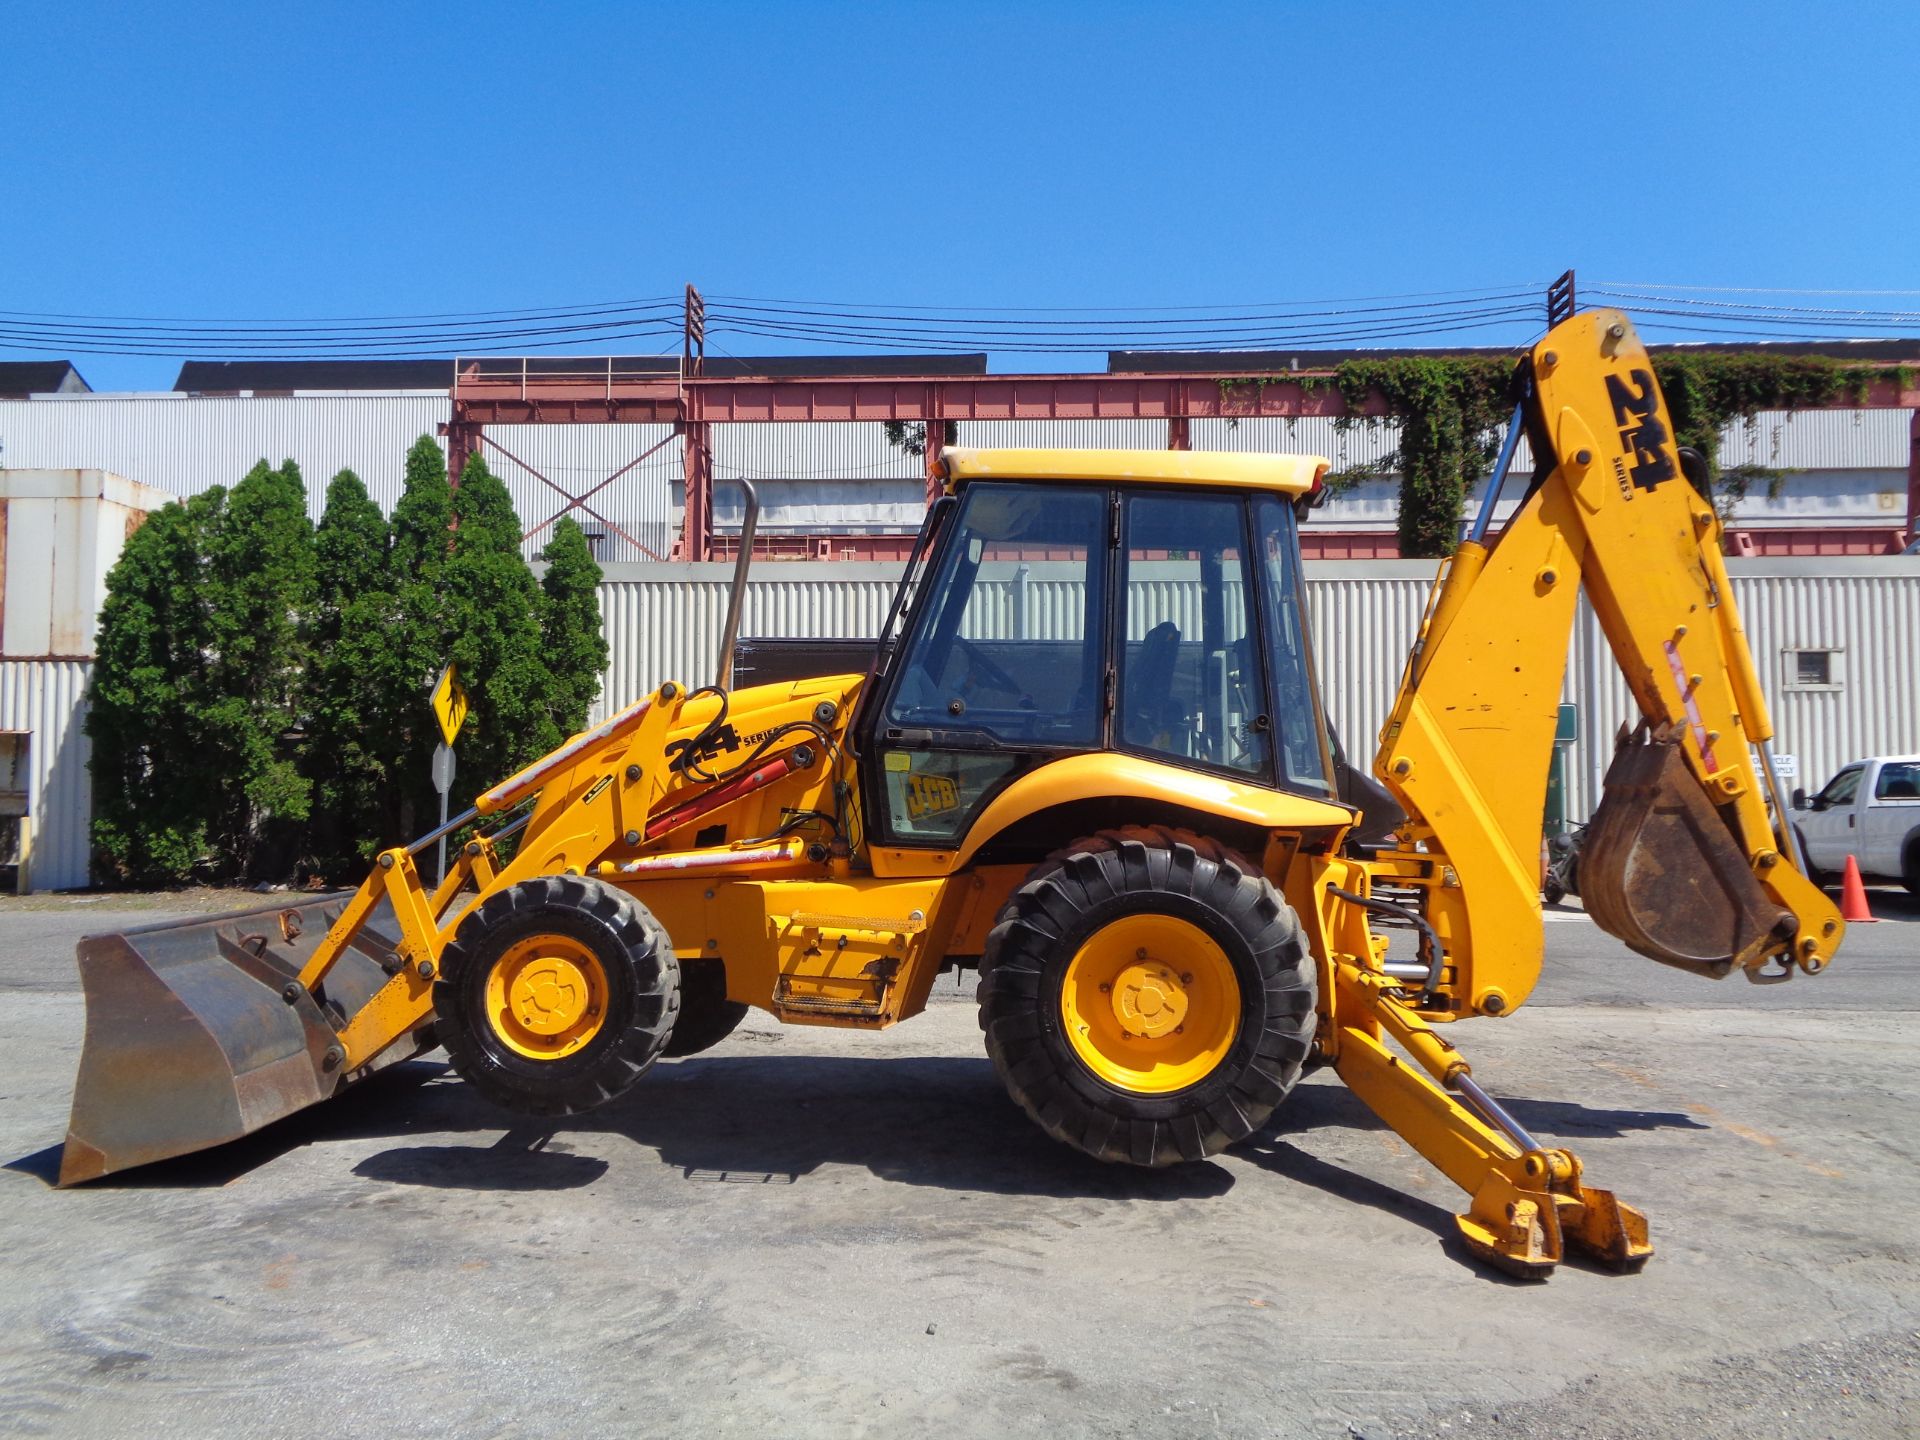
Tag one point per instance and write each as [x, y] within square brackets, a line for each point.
[1059, 611]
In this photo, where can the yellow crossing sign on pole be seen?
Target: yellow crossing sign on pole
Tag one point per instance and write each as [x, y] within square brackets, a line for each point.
[449, 703]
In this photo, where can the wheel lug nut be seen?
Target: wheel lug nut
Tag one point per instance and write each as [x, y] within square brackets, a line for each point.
[1141, 953]
[1105, 989]
[1186, 977]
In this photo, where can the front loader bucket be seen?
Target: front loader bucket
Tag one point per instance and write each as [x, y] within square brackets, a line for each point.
[1660, 870]
[197, 1033]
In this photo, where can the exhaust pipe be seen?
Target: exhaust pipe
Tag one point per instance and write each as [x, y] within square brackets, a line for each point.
[723, 672]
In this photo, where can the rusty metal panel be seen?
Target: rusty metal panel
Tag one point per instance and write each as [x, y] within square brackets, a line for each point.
[46, 700]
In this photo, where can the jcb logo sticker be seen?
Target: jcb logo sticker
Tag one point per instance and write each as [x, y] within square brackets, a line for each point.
[930, 794]
[1642, 432]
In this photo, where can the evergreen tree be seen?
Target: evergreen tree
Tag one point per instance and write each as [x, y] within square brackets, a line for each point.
[417, 638]
[351, 758]
[423, 515]
[493, 608]
[234, 630]
[571, 637]
[154, 786]
[259, 584]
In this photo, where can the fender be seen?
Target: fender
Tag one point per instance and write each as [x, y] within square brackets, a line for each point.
[1101, 776]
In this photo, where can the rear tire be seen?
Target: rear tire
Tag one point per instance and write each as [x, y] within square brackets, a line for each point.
[555, 995]
[1910, 865]
[1191, 933]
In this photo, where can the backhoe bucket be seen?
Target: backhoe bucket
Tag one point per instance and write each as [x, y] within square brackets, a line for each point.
[1661, 871]
[197, 1032]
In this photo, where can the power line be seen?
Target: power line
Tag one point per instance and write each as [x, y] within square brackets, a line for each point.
[1056, 330]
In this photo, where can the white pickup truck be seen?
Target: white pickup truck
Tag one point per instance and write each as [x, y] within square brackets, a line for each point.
[1869, 810]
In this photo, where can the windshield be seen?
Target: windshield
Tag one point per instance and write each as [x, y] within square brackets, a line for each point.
[1001, 645]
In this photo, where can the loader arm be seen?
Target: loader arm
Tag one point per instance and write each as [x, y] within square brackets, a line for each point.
[1682, 862]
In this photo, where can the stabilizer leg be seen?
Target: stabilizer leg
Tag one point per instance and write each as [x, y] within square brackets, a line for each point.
[1529, 1202]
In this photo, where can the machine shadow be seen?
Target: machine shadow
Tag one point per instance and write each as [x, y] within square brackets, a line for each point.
[762, 1119]
[937, 1121]
[1321, 1102]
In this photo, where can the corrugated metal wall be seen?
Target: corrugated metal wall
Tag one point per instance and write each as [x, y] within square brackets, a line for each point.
[1867, 613]
[185, 444]
[46, 699]
[664, 622]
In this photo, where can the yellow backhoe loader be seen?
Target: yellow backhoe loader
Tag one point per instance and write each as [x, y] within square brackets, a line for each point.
[1088, 758]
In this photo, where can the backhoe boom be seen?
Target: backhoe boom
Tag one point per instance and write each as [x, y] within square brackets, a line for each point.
[1682, 861]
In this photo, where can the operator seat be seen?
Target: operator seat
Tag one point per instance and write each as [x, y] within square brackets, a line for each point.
[1149, 697]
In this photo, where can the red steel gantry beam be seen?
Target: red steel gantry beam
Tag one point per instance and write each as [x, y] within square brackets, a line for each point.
[600, 395]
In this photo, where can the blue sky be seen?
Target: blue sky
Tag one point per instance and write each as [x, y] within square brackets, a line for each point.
[207, 161]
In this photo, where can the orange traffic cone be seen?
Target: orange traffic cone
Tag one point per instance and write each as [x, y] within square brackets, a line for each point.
[1853, 896]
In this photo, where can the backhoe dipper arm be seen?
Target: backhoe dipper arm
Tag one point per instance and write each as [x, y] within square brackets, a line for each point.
[1682, 861]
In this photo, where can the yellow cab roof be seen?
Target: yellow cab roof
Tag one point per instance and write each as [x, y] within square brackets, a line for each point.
[1289, 474]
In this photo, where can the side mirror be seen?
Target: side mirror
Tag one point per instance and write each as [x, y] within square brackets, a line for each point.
[1799, 799]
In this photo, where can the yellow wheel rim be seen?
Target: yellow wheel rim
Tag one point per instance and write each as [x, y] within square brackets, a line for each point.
[1150, 1004]
[546, 996]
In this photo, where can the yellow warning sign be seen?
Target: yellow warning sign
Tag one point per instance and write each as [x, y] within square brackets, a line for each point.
[449, 703]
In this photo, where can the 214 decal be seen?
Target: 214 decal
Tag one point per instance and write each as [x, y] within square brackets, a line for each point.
[1643, 434]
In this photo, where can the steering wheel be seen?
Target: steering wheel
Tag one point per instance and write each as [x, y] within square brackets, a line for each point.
[979, 664]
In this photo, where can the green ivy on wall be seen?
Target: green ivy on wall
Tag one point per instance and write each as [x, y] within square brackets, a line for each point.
[1452, 408]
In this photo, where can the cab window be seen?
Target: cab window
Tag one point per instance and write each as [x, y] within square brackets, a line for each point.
[1190, 678]
[1898, 780]
[1299, 726]
[1841, 789]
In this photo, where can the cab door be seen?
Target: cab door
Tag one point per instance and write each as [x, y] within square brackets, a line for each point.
[1889, 814]
[1828, 824]
[1004, 666]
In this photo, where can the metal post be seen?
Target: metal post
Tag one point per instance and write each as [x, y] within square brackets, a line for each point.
[1782, 821]
[1179, 432]
[1913, 481]
[696, 538]
[443, 782]
[463, 437]
[933, 438]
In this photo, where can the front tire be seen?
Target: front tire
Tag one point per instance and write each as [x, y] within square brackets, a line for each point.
[557, 994]
[1148, 997]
